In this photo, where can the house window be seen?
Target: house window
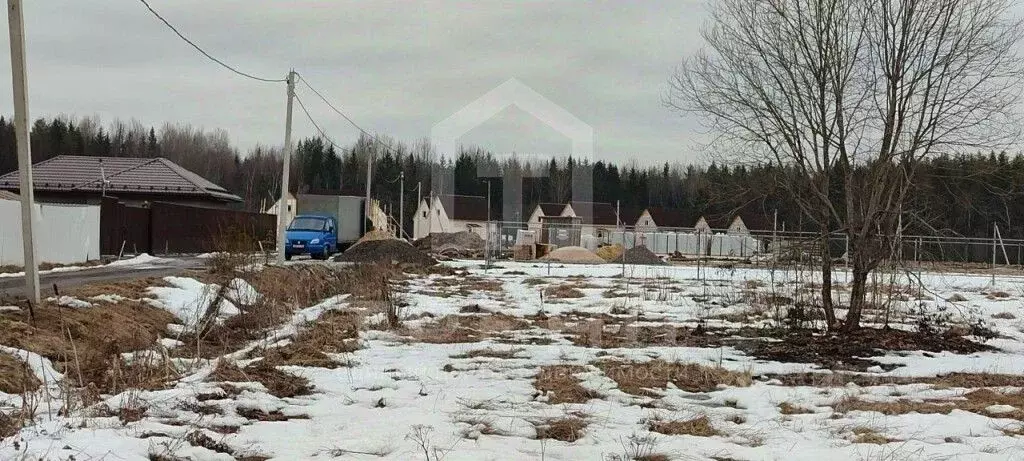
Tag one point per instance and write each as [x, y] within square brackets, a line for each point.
[424, 214]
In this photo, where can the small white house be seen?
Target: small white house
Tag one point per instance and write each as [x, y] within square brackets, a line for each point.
[292, 205]
[542, 210]
[734, 227]
[452, 213]
[597, 219]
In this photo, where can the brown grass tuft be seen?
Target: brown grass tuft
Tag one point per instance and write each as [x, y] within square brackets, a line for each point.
[636, 378]
[200, 439]
[257, 414]
[277, 382]
[1004, 316]
[490, 353]
[15, 376]
[869, 435]
[568, 429]
[787, 408]
[335, 332]
[560, 385]
[699, 426]
[466, 328]
[564, 291]
[896, 407]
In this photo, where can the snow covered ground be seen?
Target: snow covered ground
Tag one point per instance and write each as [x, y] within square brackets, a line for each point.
[559, 363]
[141, 261]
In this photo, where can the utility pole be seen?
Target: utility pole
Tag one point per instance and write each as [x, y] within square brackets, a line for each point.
[19, 77]
[369, 178]
[282, 208]
[401, 204]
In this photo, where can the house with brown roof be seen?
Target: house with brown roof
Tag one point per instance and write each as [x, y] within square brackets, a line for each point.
[87, 180]
[452, 213]
[654, 218]
[596, 218]
[543, 210]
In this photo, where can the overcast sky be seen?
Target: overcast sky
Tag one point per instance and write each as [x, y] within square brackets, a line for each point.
[396, 67]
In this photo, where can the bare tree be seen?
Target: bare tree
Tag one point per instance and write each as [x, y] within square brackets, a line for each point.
[848, 96]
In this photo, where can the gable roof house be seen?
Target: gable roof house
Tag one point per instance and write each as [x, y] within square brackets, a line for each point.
[87, 180]
[596, 218]
[451, 213]
[542, 210]
[654, 218]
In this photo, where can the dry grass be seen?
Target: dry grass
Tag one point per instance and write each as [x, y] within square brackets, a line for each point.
[560, 385]
[489, 353]
[567, 429]
[465, 328]
[869, 435]
[85, 344]
[1004, 316]
[637, 378]
[976, 401]
[257, 414]
[952, 380]
[699, 426]
[998, 295]
[335, 332]
[787, 408]
[200, 439]
[890, 408]
[277, 382]
[563, 291]
[15, 376]
[957, 298]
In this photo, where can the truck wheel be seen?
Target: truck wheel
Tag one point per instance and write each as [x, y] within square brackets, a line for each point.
[287, 257]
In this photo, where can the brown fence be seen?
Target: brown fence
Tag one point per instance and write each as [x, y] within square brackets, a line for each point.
[164, 228]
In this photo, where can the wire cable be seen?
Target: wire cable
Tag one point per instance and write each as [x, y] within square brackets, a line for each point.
[208, 55]
[346, 117]
[317, 126]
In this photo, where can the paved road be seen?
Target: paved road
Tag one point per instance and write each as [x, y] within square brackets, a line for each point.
[14, 286]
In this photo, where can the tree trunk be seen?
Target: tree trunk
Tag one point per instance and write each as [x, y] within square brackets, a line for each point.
[826, 284]
[857, 298]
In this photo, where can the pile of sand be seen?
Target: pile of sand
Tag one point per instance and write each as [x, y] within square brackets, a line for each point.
[577, 255]
[463, 244]
[387, 251]
[610, 252]
[375, 235]
[639, 255]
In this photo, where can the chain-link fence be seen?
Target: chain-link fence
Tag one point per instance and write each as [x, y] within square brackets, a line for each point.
[527, 241]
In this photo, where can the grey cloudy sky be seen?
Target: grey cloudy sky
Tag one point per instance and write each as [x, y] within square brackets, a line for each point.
[396, 67]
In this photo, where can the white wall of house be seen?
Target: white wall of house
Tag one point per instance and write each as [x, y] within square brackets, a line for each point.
[64, 234]
[421, 221]
[433, 219]
[646, 223]
[738, 227]
[292, 204]
[534, 222]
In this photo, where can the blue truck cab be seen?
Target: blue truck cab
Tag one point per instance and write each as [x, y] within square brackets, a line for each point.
[315, 235]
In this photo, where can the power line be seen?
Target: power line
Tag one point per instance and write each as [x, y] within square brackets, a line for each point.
[317, 126]
[346, 117]
[208, 55]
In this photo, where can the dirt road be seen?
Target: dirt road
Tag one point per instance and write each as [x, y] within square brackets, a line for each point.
[14, 286]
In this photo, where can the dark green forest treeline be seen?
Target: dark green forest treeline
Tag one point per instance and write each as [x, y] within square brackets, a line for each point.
[955, 195]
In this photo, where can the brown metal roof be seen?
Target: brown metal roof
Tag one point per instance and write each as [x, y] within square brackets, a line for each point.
[7, 195]
[671, 217]
[551, 209]
[595, 213]
[464, 207]
[67, 173]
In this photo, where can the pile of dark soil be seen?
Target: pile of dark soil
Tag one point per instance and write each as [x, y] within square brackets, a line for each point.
[392, 251]
[639, 255]
[854, 352]
[463, 244]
